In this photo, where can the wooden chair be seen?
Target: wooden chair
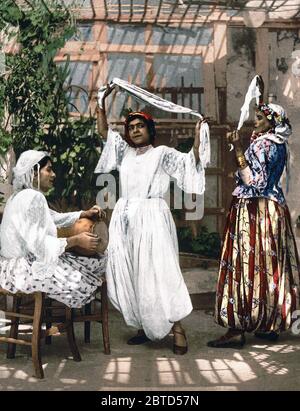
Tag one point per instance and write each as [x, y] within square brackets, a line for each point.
[87, 314]
[20, 311]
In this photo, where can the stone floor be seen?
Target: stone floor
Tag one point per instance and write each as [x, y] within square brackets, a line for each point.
[153, 366]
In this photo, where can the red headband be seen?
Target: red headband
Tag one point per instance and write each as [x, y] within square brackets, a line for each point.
[138, 114]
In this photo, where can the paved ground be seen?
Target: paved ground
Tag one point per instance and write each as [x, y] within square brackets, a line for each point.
[153, 366]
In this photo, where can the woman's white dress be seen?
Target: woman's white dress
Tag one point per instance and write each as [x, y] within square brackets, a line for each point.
[32, 258]
[143, 274]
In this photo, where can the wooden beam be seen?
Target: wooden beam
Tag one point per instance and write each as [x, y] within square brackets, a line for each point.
[262, 59]
[14, 341]
[145, 9]
[220, 65]
[273, 69]
[158, 10]
[18, 315]
[105, 9]
[91, 48]
[119, 10]
[220, 53]
[209, 82]
[152, 15]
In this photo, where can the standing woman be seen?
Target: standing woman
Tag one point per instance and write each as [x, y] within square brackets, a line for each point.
[258, 285]
[143, 275]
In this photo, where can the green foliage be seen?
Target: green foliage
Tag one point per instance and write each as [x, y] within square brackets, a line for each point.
[185, 238]
[185, 145]
[35, 97]
[205, 244]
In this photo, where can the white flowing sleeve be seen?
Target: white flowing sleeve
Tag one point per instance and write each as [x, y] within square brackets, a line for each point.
[112, 154]
[182, 166]
[64, 219]
[38, 235]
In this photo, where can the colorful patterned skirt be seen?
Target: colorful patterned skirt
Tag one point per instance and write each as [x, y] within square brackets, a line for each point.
[258, 284]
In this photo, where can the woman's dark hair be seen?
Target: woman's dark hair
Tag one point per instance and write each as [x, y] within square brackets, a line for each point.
[42, 163]
[147, 119]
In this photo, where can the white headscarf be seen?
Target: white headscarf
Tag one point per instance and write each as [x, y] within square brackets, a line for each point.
[23, 172]
[282, 127]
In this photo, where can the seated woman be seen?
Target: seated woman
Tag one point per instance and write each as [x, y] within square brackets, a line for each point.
[32, 258]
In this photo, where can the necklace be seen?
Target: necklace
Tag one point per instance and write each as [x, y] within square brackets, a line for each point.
[142, 150]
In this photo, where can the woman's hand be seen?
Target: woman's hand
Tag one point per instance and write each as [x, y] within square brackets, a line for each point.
[233, 137]
[197, 133]
[109, 89]
[102, 94]
[197, 140]
[87, 241]
[95, 213]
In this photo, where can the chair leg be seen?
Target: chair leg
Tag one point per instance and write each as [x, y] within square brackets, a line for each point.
[48, 339]
[14, 328]
[87, 324]
[36, 335]
[104, 315]
[71, 335]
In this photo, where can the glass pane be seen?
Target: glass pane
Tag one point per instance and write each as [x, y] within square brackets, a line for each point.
[79, 73]
[181, 74]
[129, 67]
[78, 3]
[84, 33]
[125, 34]
[211, 191]
[197, 36]
[77, 84]
[214, 152]
[177, 71]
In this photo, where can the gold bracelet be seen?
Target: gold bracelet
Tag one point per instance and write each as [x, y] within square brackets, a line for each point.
[241, 161]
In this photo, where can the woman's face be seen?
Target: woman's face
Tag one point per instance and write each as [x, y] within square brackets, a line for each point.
[47, 177]
[138, 132]
[261, 123]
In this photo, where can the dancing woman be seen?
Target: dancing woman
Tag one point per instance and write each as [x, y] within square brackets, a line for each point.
[144, 279]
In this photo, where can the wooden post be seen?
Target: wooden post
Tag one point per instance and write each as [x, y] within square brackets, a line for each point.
[262, 62]
[220, 54]
[209, 82]
[36, 335]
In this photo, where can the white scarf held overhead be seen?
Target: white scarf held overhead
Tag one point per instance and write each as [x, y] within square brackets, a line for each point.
[165, 105]
[253, 92]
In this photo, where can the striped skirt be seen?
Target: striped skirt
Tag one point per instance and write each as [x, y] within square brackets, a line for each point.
[258, 284]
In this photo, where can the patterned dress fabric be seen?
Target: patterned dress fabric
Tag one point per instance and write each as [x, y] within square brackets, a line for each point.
[266, 161]
[143, 274]
[32, 258]
[258, 284]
